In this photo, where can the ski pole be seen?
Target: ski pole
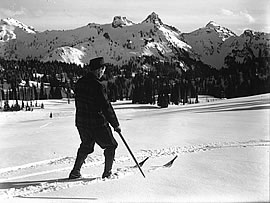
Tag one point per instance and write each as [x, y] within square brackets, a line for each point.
[137, 164]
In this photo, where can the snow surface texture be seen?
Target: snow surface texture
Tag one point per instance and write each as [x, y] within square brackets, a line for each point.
[222, 148]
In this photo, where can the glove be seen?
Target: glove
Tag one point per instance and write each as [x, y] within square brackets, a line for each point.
[117, 129]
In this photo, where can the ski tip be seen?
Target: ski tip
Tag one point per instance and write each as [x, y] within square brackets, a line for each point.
[146, 158]
[141, 163]
[170, 163]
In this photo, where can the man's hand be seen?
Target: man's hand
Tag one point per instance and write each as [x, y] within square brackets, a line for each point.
[117, 129]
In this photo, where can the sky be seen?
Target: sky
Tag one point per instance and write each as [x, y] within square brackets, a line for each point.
[185, 15]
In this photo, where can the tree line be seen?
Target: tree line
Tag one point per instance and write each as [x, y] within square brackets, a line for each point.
[147, 81]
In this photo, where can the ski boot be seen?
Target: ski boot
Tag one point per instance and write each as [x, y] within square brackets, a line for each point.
[75, 173]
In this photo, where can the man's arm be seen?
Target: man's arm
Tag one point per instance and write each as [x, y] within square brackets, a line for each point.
[108, 110]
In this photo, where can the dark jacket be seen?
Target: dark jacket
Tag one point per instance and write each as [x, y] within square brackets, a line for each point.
[93, 109]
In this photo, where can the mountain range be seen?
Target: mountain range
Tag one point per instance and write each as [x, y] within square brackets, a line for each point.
[124, 41]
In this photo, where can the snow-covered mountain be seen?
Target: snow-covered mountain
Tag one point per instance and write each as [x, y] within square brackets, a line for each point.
[214, 43]
[250, 45]
[123, 40]
[11, 29]
[119, 42]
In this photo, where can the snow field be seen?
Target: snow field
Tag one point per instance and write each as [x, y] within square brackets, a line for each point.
[222, 148]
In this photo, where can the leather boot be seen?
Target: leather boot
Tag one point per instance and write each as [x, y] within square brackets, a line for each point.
[75, 173]
[109, 158]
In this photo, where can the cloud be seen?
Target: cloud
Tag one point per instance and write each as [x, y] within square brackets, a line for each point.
[247, 16]
[11, 13]
[227, 12]
[238, 15]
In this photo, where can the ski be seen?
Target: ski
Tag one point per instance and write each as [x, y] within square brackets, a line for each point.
[167, 165]
[127, 170]
[170, 163]
[141, 163]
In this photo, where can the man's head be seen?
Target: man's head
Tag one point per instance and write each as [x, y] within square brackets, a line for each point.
[97, 66]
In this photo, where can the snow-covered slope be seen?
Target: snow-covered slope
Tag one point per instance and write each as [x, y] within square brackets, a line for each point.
[10, 28]
[222, 148]
[67, 55]
[208, 41]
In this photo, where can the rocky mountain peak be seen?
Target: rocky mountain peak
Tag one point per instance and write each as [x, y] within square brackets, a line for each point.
[223, 32]
[153, 18]
[249, 33]
[212, 24]
[119, 21]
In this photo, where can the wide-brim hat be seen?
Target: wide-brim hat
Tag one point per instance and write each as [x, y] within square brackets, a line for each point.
[96, 63]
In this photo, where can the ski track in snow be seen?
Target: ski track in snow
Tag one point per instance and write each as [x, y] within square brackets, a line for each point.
[45, 125]
[9, 189]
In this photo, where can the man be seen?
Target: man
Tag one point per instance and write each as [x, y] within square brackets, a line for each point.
[94, 113]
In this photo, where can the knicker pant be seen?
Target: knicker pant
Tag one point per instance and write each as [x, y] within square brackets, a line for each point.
[104, 138]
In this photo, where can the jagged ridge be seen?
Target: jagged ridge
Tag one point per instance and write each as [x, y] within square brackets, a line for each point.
[210, 44]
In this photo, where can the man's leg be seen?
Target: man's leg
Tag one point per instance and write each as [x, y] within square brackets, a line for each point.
[76, 171]
[105, 139]
[86, 147]
[109, 154]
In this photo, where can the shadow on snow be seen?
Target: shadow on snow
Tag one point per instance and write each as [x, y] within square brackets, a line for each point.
[23, 184]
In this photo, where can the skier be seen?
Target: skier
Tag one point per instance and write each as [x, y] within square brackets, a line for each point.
[94, 113]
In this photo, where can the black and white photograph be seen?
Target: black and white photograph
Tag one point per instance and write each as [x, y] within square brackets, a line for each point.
[134, 101]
